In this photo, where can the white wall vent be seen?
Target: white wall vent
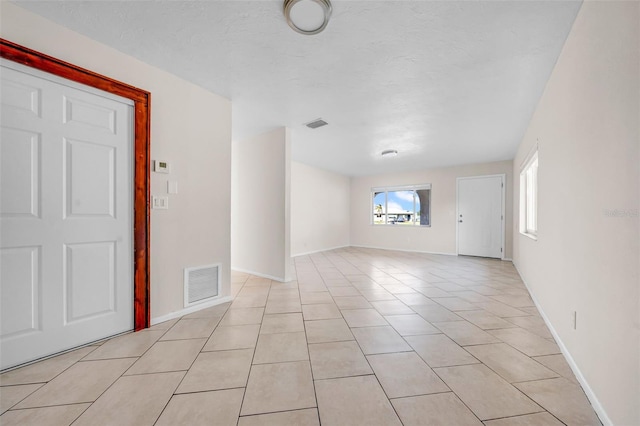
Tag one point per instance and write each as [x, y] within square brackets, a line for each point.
[316, 123]
[201, 283]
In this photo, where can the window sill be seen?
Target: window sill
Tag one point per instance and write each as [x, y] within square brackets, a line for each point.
[388, 225]
[534, 237]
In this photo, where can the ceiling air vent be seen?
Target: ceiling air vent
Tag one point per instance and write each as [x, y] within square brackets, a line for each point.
[201, 284]
[316, 123]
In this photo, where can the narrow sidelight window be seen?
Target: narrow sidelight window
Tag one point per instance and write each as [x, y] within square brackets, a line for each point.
[529, 197]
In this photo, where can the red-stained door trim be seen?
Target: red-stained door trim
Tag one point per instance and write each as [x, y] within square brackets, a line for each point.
[142, 122]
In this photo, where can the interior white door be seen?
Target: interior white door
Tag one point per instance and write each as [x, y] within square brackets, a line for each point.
[480, 216]
[66, 208]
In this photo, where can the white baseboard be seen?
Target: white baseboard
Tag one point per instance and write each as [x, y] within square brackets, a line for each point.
[259, 274]
[404, 250]
[190, 309]
[593, 399]
[508, 259]
[319, 251]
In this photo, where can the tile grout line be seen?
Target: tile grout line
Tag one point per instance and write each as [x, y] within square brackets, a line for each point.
[191, 365]
[264, 312]
[313, 380]
[254, 349]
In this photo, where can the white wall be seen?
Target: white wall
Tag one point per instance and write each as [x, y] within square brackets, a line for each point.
[190, 127]
[260, 210]
[320, 209]
[440, 237]
[586, 128]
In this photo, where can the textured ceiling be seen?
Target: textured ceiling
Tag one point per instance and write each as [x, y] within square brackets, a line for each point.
[443, 82]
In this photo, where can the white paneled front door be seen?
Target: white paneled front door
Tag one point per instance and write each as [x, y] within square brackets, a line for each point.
[66, 171]
[480, 216]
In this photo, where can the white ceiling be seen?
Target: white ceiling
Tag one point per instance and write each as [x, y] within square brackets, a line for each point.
[443, 82]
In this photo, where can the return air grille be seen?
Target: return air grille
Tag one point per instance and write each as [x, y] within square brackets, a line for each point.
[201, 283]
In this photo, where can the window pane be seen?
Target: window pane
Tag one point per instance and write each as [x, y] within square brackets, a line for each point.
[528, 200]
[379, 208]
[400, 207]
[423, 207]
[529, 197]
[533, 225]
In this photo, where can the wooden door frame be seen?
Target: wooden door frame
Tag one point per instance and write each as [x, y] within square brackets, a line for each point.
[141, 150]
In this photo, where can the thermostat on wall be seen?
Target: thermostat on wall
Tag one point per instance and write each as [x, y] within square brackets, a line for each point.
[161, 166]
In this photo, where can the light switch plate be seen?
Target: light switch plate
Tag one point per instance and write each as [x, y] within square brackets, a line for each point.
[161, 203]
[161, 166]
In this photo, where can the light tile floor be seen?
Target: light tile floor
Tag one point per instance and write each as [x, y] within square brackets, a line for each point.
[360, 337]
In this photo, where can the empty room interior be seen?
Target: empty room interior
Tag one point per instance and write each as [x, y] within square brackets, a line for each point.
[315, 212]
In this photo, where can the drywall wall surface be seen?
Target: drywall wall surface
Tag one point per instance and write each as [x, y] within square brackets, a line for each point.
[586, 257]
[440, 237]
[320, 209]
[261, 205]
[190, 128]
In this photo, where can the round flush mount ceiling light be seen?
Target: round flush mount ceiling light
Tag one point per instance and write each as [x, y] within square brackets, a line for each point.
[389, 153]
[307, 17]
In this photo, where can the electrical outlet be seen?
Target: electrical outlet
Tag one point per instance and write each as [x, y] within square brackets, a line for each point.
[574, 318]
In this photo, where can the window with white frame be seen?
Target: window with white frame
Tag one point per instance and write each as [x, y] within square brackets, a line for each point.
[529, 197]
[403, 205]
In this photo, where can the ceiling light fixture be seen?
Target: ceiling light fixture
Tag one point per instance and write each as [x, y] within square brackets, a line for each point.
[307, 17]
[389, 153]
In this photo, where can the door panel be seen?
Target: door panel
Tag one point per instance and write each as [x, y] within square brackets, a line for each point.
[67, 206]
[89, 278]
[20, 275]
[480, 216]
[19, 173]
[89, 179]
[95, 116]
[20, 97]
